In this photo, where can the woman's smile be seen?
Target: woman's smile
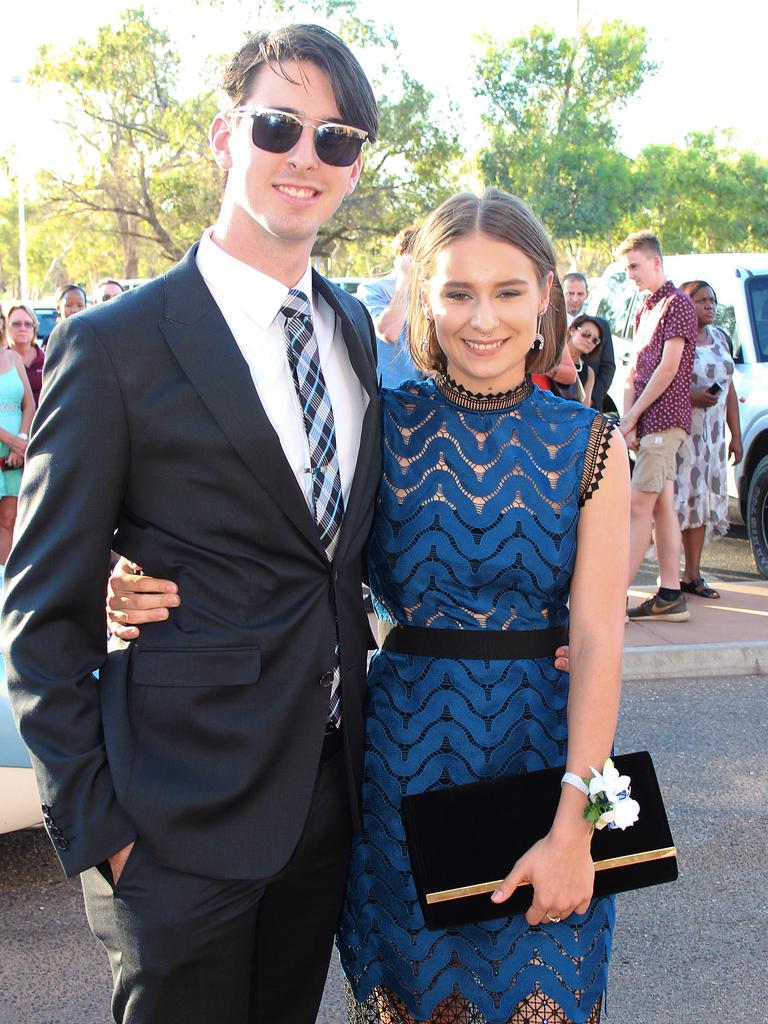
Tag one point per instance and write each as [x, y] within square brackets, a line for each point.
[483, 347]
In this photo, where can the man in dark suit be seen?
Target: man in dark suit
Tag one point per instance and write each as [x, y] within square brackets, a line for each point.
[219, 427]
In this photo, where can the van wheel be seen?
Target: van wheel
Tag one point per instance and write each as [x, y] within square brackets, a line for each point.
[757, 516]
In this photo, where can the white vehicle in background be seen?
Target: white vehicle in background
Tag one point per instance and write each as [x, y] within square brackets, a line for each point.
[740, 281]
[19, 802]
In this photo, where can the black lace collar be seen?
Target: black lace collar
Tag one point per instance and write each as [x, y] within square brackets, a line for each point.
[457, 394]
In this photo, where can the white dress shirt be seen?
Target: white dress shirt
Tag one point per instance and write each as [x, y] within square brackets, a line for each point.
[250, 302]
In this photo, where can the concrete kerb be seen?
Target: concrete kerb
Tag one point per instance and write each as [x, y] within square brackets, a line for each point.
[678, 661]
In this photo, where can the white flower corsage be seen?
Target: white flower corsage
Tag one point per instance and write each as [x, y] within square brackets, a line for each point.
[609, 800]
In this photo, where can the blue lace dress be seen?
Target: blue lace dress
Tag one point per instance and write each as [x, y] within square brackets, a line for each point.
[475, 529]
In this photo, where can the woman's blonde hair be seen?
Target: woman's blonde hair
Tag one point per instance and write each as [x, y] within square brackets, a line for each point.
[499, 216]
[30, 313]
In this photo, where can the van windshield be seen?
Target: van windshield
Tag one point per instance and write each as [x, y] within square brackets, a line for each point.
[757, 299]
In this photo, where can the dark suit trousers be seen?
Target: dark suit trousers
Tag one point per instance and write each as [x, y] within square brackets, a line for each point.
[192, 950]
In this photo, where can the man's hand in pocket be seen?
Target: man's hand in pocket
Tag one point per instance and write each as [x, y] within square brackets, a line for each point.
[117, 862]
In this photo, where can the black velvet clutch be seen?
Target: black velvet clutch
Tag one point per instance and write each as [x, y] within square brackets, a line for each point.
[463, 840]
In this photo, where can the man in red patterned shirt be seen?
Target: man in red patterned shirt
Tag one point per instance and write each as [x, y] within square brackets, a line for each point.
[657, 416]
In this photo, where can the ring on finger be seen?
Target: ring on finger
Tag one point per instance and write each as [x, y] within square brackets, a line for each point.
[554, 920]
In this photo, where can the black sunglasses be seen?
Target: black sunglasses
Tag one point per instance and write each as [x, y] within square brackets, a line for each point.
[590, 337]
[277, 131]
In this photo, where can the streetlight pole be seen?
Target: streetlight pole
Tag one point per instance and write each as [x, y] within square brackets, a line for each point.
[20, 188]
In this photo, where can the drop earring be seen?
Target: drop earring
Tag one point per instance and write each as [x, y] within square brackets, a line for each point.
[430, 328]
[538, 341]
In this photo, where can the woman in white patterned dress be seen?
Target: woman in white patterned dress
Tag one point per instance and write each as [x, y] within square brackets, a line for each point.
[701, 489]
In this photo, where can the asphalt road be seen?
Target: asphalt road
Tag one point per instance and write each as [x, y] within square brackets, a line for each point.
[687, 953]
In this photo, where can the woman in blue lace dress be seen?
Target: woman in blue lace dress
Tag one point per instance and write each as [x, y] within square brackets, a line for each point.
[500, 507]
[499, 503]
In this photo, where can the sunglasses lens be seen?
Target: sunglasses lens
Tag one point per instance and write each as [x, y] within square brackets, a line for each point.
[276, 133]
[336, 146]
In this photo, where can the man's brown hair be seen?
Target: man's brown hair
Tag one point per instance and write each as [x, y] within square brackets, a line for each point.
[312, 44]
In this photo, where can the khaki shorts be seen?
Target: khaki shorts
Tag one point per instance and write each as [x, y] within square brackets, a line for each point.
[655, 459]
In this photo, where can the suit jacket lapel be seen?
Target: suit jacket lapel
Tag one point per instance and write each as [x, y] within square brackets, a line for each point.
[367, 469]
[358, 357]
[201, 341]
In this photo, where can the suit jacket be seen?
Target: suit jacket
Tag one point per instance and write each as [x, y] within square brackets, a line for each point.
[203, 737]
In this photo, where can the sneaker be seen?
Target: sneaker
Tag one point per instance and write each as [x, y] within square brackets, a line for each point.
[655, 607]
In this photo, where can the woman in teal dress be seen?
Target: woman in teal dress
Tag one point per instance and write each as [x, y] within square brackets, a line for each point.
[502, 509]
[17, 407]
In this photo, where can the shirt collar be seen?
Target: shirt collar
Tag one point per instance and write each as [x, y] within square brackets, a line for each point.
[257, 295]
[661, 293]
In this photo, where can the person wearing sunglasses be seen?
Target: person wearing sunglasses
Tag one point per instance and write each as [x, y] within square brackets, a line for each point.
[206, 786]
[22, 338]
[585, 337]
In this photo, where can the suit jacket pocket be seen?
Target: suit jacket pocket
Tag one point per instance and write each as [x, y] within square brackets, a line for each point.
[196, 666]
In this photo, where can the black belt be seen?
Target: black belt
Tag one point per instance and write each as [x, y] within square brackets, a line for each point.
[476, 644]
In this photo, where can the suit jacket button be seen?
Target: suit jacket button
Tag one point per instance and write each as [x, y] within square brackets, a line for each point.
[326, 678]
[63, 844]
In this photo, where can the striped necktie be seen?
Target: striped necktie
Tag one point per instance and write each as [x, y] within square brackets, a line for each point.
[317, 412]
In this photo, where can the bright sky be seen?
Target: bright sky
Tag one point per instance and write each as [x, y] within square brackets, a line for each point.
[712, 71]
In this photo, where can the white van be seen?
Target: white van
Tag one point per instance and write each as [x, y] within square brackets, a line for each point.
[740, 281]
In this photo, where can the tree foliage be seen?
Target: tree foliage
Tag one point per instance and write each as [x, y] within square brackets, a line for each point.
[139, 184]
[142, 184]
[704, 197]
[549, 115]
[407, 173]
[142, 174]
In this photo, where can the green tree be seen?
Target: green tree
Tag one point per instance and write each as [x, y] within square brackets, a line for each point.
[551, 134]
[703, 197]
[143, 185]
[408, 172]
[142, 174]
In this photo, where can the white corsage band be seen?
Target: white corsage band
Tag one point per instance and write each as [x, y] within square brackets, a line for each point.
[575, 780]
[609, 800]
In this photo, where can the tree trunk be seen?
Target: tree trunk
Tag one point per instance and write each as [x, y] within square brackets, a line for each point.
[130, 245]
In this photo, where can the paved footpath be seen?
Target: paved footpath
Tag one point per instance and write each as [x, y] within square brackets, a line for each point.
[725, 637]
